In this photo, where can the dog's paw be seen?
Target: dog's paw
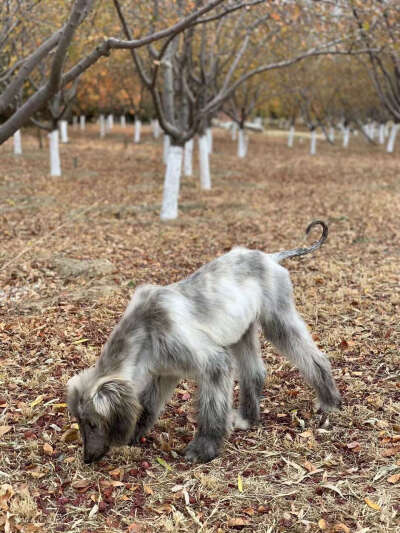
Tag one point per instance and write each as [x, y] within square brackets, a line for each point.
[137, 436]
[201, 450]
[237, 420]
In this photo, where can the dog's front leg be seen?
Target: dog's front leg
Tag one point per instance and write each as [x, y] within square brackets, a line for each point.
[215, 402]
[152, 400]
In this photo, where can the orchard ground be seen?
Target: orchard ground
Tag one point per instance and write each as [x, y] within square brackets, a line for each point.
[73, 250]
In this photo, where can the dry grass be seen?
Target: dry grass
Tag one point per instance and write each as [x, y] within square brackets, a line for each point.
[294, 476]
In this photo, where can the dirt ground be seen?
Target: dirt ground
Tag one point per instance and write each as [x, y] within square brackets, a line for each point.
[72, 251]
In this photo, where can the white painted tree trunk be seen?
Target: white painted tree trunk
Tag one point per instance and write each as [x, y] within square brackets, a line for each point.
[123, 121]
[209, 140]
[242, 144]
[205, 178]
[110, 122]
[75, 122]
[392, 138]
[55, 166]
[167, 144]
[138, 127]
[234, 131]
[387, 129]
[63, 131]
[290, 137]
[102, 123]
[372, 131]
[258, 121]
[169, 209]
[331, 134]
[188, 158]
[156, 128]
[346, 137]
[17, 143]
[313, 143]
[82, 122]
[381, 134]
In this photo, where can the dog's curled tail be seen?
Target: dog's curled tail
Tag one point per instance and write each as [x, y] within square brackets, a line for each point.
[280, 256]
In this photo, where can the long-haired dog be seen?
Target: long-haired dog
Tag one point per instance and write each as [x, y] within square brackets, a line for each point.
[201, 327]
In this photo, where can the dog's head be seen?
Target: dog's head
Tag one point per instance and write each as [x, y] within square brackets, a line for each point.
[106, 408]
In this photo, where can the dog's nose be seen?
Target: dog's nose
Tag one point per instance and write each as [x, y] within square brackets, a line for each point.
[88, 459]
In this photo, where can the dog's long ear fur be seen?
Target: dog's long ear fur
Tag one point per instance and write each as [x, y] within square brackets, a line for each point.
[115, 400]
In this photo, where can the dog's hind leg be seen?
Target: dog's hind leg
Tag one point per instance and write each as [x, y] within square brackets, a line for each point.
[251, 375]
[152, 400]
[214, 409]
[287, 331]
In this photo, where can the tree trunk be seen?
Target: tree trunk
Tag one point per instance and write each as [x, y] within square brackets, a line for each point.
[17, 143]
[381, 135]
[372, 131]
[82, 122]
[291, 137]
[205, 178]
[392, 138]
[75, 122]
[156, 128]
[188, 158]
[138, 126]
[331, 134]
[313, 144]
[242, 144]
[209, 140]
[346, 137]
[102, 126]
[110, 122]
[234, 131]
[123, 121]
[167, 143]
[64, 131]
[55, 167]
[169, 209]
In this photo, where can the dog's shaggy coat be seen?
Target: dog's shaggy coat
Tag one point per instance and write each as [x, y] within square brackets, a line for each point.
[201, 327]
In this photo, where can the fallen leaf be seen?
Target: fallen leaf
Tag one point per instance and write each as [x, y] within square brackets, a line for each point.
[93, 510]
[372, 504]
[135, 528]
[37, 474]
[389, 452]
[340, 527]
[163, 463]
[240, 483]
[36, 402]
[355, 445]
[148, 490]
[164, 508]
[238, 523]
[322, 524]
[394, 479]
[59, 406]
[48, 449]
[70, 435]
[6, 493]
[117, 473]
[4, 430]
[249, 511]
[80, 484]
[309, 466]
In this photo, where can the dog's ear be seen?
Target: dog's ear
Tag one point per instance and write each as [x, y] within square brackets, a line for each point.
[73, 395]
[113, 395]
[77, 387]
[115, 400]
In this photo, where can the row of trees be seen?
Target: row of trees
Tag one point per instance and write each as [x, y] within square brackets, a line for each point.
[184, 62]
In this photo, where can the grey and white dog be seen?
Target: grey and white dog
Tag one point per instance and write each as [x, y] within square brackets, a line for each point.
[201, 327]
